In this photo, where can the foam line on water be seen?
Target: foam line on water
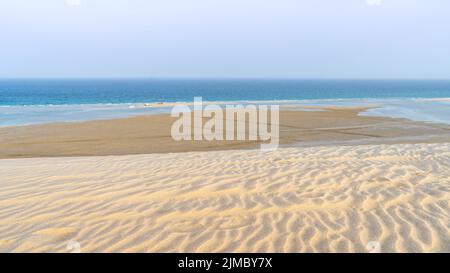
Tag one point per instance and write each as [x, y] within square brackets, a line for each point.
[420, 109]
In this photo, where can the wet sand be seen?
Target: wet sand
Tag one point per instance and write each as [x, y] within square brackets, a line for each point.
[151, 134]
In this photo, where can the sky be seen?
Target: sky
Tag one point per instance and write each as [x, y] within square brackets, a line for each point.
[359, 39]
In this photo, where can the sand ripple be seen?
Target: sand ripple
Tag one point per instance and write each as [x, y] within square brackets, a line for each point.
[322, 199]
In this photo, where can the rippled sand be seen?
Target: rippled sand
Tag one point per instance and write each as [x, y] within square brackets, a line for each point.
[388, 198]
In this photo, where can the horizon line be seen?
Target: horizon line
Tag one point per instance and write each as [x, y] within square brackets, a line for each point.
[225, 78]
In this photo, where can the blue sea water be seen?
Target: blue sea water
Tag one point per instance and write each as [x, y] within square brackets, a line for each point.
[34, 101]
[57, 92]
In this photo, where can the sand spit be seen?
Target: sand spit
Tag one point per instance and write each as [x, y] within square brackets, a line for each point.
[151, 134]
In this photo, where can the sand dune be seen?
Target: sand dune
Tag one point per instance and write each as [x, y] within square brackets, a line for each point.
[388, 198]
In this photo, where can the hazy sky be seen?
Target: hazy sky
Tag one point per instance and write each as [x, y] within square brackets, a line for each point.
[225, 38]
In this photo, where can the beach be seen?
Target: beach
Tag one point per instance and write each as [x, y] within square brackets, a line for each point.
[152, 134]
[223, 127]
[366, 198]
[340, 182]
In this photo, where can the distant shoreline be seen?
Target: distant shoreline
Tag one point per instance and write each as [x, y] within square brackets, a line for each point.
[435, 110]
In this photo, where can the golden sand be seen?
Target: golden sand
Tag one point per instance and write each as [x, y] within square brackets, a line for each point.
[124, 186]
[318, 199]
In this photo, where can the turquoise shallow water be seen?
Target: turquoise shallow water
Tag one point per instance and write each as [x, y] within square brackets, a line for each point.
[42, 101]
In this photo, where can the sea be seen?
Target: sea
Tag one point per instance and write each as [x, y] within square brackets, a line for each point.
[38, 101]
